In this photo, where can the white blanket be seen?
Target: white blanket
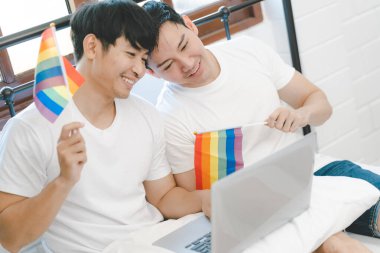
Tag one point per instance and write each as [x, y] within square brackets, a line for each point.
[335, 203]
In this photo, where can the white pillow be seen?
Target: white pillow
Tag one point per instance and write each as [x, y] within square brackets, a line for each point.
[335, 203]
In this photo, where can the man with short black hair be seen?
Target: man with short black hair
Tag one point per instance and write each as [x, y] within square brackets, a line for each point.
[235, 84]
[99, 172]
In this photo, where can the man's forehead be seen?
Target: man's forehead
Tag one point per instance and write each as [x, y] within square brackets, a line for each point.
[170, 38]
[170, 28]
[123, 41]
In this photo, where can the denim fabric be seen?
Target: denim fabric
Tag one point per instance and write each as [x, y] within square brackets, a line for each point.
[38, 246]
[366, 224]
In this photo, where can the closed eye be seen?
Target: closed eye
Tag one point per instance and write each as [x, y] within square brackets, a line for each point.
[184, 46]
[168, 66]
[145, 61]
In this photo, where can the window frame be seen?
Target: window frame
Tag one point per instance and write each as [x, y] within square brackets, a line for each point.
[208, 33]
[24, 98]
[238, 20]
[6, 69]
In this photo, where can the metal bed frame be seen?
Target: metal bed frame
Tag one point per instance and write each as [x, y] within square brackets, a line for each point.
[8, 93]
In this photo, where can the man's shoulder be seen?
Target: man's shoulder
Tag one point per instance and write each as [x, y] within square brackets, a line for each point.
[240, 43]
[170, 102]
[28, 126]
[29, 117]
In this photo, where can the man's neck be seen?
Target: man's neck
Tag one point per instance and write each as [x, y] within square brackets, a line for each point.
[214, 70]
[215, 65]
[98, 109]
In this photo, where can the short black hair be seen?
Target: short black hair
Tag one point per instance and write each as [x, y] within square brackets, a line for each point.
[161, 12]
[110, 19]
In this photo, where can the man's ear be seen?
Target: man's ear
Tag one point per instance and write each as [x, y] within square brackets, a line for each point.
[90, 44]
[190, 24]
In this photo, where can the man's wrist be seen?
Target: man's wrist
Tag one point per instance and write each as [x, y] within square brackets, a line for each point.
[63, 184]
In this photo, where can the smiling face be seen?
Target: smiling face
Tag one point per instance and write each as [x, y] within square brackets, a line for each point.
[181, 57]
[116, 70]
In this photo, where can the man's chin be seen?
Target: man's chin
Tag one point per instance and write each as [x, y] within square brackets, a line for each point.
[123, 95]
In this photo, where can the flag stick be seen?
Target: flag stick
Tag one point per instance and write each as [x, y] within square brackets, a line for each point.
[259, 123]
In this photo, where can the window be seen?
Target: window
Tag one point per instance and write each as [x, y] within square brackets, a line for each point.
[17, 62]
[214, 30]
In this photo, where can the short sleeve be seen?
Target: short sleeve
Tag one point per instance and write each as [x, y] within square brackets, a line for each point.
[179, 145]
[280, 72]
[160, 167]
[22, 160]
[178, 135]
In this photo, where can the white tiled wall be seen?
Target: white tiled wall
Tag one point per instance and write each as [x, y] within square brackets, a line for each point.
[352, 44]
[339, 43]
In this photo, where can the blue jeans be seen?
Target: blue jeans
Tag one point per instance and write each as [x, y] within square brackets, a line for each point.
[366, 224]
[38, 246]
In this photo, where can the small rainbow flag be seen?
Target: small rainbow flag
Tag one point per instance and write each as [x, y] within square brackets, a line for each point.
[217, 154]
[54, 75]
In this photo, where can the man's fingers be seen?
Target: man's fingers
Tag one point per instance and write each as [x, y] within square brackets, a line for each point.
[70, 129]
[76, 138]
[81, 158]
[288, 123]
[271, 121]
[78, 159]
[68, 143]
[79, 147]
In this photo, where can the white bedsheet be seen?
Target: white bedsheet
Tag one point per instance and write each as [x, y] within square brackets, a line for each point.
[335, 203]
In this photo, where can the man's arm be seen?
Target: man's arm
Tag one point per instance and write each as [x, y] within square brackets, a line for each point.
[22, 220]
[186, 180]
[173, 201]
[309, 102]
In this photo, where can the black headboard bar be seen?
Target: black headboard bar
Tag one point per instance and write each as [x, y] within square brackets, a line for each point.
[292, 37]
[219, 14]
[7, 93]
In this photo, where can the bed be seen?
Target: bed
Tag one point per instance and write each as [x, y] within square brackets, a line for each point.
[331, 210]
[150, 234]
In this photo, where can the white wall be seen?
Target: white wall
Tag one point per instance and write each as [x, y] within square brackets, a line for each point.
[339, 43]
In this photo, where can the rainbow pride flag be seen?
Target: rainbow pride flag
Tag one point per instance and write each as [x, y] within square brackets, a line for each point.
[55, 78]
[216, 155]
[74, 79]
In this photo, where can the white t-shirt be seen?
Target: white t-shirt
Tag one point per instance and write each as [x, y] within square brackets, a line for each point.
[109, 200]
[245, 92]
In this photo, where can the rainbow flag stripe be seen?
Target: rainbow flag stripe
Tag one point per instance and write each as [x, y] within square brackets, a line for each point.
[52, 76]
[216, 155]
[74, 79]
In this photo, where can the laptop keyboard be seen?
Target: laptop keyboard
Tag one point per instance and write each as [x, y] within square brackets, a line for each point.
[202, 244]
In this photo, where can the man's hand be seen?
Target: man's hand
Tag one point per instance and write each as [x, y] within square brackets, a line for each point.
[71, 151]
[23, 220]
[288, 119]
[205, 196]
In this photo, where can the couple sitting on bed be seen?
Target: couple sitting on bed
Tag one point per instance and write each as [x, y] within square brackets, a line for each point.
[100, 171]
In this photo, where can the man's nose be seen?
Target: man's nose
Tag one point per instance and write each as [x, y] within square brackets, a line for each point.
[187, 64]
[139, 68]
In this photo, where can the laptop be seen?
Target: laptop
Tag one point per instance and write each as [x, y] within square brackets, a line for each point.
[250, 203]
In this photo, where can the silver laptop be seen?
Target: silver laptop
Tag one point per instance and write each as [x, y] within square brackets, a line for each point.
[251, 203]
